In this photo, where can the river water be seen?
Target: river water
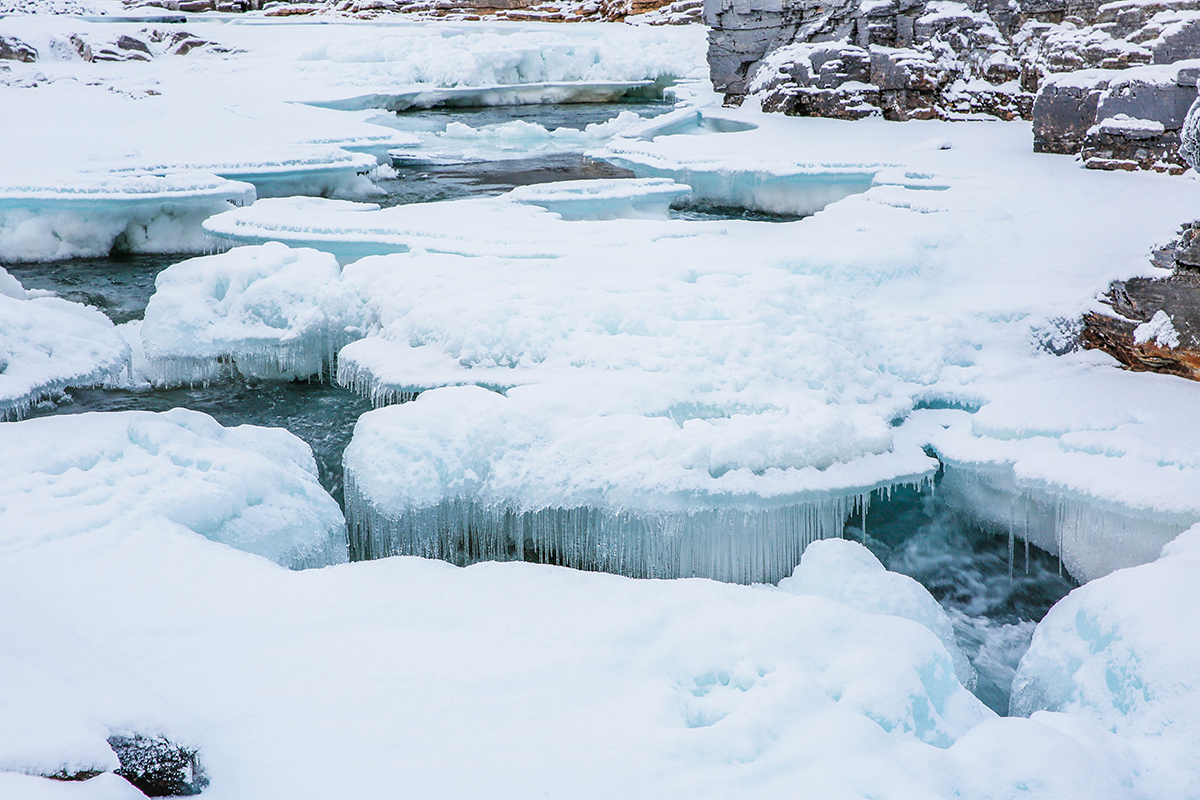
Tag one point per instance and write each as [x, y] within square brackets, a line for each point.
[993, 602]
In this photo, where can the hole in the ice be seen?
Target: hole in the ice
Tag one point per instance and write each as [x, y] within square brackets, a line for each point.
[705, 213]
[995, 594]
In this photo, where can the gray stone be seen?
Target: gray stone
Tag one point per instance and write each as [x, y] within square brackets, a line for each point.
[1179, 45]
[16, 50]
[1063, 113]
[1165, 102]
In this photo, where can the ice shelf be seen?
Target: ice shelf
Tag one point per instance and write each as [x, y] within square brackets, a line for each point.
[604, 199]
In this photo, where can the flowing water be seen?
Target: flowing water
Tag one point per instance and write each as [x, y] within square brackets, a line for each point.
[994, 602]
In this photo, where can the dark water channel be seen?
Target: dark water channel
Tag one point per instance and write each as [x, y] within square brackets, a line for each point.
[994, 596]
[966, 569]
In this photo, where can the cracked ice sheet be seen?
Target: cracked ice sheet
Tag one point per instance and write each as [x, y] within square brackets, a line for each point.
[542, 679]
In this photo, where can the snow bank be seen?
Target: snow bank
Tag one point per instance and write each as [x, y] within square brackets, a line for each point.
[1115, 652]
[48, 344]
[263, 312]
[325, 680]
[159, 474]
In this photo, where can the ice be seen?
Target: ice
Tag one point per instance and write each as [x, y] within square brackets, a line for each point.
[91, 215]
[264, 311]
[1116, 652]
[466, 474]
[455, 142]
[613, 199]
[146, 474]
[48, 344]
[519, 94]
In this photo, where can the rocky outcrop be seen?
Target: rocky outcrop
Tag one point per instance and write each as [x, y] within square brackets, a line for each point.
[1154, 324]
[1126, 119]
[146, 45]
[1109, 82]
[16, 50]
[652, 12]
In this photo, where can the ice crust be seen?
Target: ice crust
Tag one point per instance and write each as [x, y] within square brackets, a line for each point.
[611, 199]
[263, 312]
[44, 220]
[48, 344]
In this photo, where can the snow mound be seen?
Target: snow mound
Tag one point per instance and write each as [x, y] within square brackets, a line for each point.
[140, 473]
[265, 312]
[48, 344]
[847, 572]
[1114, 652]
[710, 688]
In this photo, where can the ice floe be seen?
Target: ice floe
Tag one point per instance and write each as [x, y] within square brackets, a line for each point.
[48, 344]
[261, 312]
[142, 474]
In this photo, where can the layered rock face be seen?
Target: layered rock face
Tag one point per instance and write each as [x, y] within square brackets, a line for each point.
[1112, 82]
[1154, 323]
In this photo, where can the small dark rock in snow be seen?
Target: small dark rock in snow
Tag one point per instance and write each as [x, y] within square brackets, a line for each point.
[157, 766]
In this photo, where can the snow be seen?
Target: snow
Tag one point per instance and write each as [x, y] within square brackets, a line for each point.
[654, 397]
[381, 666]
[245, 105]
[261, 312]
[48, 344]
[848, 573]
[1159, 330]
[1112, 652]
[141, 474]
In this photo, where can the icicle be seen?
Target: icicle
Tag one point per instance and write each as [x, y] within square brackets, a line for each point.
[742, 546]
